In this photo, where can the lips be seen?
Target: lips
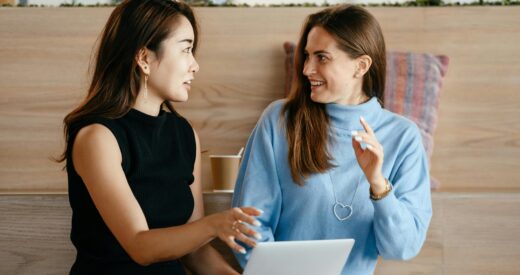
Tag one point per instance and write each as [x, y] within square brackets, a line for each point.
[187, 84]
[316, 83]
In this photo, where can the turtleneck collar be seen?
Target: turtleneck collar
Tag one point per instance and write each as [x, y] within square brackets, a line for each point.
[146, 118]
[347, 116]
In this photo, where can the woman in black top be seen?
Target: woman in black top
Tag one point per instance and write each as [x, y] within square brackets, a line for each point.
[134, 168]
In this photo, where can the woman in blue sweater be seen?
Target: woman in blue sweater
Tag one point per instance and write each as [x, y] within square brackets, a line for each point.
[329, 162]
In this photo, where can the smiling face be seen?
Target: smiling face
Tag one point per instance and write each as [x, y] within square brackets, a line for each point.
[334, 77]
[173, 66]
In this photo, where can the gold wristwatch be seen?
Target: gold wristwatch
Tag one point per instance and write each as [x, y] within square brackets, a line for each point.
[388, 188]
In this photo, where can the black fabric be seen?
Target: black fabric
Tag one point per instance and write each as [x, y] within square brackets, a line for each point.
[158, 159]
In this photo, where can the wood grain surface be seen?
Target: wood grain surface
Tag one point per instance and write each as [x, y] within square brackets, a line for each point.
[475, 233]
[44, 74]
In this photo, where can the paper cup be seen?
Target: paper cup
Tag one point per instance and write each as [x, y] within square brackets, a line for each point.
[224, 171]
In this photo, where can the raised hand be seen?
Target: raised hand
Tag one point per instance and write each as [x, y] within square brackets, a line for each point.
[371, 158]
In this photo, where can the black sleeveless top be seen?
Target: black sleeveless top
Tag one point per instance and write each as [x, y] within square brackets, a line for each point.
[158, 158]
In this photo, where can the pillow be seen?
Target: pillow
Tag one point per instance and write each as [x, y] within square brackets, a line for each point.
[412, 89]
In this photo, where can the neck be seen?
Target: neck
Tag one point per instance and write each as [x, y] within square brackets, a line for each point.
[354, 99]
[150, 106]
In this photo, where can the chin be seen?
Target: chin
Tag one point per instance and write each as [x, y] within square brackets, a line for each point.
[319, 98]
[179, 97]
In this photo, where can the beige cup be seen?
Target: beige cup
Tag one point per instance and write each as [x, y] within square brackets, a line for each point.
[224, 169]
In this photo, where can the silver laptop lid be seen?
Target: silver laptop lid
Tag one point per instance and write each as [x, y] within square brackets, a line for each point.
[299, 257]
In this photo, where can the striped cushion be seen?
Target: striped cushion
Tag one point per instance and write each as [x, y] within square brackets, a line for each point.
[412, 89]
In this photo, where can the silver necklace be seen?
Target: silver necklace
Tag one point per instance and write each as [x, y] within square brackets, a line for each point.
[338, 205]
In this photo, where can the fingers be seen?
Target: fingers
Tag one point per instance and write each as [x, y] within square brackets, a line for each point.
[238, 231]
[366, 126]
[230, 241]
[368, 137]
[236, 228]
[242, 228]
[241, 215]
[368, 140]
[252, 211]
[357, 147]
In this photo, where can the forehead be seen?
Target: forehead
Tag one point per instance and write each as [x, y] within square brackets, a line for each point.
[319, 39]
[182, 29]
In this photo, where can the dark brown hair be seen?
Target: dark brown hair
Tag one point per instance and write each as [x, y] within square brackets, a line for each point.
[358, 33]
[132, 26]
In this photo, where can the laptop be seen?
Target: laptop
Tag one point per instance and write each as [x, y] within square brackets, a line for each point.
[299, 257]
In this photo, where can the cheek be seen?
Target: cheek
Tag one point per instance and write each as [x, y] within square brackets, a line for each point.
[338, 77]
[180, 67]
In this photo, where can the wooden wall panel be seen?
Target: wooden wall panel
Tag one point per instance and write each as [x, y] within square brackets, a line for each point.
[45, 54]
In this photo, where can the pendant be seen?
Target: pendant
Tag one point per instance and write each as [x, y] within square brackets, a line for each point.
[342, 211]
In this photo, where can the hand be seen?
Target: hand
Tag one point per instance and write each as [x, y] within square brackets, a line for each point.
[230, 225]
[370, 159]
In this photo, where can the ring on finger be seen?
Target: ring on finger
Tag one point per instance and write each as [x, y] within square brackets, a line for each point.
[234, 226]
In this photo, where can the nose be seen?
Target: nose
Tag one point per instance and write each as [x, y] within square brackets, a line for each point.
[308, 68]
[194, 66]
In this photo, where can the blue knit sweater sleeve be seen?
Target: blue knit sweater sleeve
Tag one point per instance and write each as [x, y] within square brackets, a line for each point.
[257, 184]
[402, 218]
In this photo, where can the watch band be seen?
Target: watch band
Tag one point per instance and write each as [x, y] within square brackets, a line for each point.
[388, 188]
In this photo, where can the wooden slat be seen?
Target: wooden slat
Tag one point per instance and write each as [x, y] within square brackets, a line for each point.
[45, 55]
[469, 234]
[35, 235]
[35, 230]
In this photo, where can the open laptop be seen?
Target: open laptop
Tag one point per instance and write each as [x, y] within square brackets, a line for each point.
[299, 257]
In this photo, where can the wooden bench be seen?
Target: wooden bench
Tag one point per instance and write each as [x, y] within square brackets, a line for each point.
[469, 234]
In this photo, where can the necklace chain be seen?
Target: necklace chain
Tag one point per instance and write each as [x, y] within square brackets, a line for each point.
[338, 204]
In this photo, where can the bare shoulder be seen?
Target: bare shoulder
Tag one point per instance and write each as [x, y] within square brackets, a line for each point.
[95, 143]
[95, 136]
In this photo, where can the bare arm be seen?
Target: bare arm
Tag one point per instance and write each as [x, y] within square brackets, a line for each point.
[97, 159]
[205, 260]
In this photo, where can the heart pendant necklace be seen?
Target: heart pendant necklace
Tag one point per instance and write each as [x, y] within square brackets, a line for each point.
[341, 210]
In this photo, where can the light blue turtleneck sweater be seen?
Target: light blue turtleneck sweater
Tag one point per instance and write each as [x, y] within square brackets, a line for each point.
[394, 227]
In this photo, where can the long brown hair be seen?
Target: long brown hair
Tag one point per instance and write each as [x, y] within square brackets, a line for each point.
[358, 33]
[132, 26]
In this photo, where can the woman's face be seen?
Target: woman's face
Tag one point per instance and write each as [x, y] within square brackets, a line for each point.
[172, 69]
[330, 70]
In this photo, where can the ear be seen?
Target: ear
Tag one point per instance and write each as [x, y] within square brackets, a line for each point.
[143, 60]
[363, 65]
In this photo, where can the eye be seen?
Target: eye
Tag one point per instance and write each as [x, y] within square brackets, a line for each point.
[322, 58]
[188, 50]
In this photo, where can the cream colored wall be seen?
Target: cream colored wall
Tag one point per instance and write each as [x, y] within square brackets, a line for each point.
[44, 57]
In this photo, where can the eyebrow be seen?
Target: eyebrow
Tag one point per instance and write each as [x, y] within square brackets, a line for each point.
[186, 40]
[318, 52]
